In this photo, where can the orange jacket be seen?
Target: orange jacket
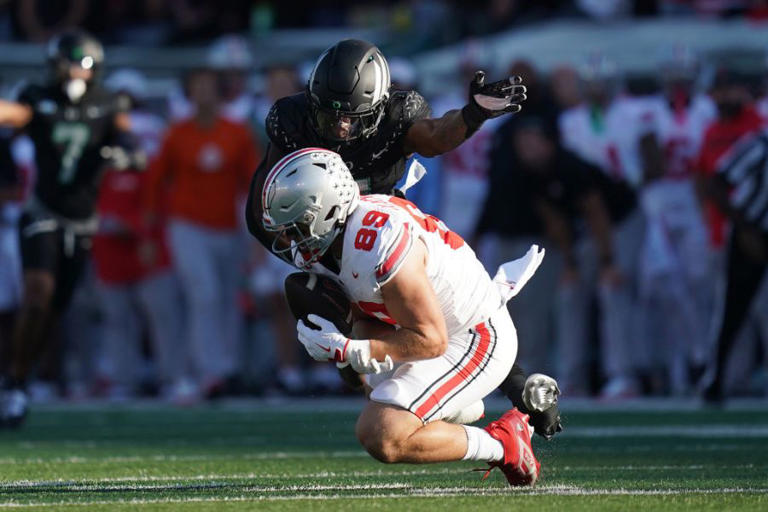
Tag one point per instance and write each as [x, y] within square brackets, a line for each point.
[206, 170]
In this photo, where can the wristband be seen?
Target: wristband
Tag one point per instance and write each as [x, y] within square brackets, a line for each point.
[473, 117]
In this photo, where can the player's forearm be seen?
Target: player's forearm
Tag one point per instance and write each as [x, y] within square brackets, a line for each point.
[432, 137]
[401, 344]
[14, 115]
[406, 345]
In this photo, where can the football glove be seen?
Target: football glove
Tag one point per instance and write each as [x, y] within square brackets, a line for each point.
[491, 100]
[328, 344]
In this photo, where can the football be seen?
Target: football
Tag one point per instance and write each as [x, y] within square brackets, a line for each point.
[309, 293]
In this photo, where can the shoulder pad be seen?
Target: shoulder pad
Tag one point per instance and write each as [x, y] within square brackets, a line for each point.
[285, 121]
[409, 106]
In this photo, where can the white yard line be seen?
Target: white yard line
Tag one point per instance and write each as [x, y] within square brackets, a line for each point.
[213, 477]
[407, 493]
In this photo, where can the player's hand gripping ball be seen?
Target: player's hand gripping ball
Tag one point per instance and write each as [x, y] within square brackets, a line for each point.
[314, 294]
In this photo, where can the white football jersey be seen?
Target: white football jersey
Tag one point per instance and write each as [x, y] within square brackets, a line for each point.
[610, 139]
[680, 133]
[379, 235]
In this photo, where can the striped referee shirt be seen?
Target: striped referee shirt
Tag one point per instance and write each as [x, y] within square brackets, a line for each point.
[745, 169]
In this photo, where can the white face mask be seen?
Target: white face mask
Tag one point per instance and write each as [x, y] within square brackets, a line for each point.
[75, 89]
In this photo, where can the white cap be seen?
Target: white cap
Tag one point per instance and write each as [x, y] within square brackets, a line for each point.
[230, 52]
[130, 81]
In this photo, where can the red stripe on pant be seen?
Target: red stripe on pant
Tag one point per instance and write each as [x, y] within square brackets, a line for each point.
[461, 375]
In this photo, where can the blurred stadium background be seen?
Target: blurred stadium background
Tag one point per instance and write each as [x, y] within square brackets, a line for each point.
[607, 64]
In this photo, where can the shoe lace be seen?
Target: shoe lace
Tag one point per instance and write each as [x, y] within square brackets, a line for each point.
[486, 470]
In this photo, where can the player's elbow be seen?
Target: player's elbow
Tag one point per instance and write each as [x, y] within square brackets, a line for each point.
[431, 149]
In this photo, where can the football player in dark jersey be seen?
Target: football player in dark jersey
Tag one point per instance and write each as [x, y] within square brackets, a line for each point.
[70, 120]
[348, 107]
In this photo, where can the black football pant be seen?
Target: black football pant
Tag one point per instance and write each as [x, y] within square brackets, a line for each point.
[49, 247]
[744, 274]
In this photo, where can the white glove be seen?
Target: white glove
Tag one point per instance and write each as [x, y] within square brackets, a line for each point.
[513, 275]
[328, 344]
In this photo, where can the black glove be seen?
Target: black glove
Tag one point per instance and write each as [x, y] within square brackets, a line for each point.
[487, 101]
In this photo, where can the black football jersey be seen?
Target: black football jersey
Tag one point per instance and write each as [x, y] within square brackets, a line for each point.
[68, 138]
[377, 162]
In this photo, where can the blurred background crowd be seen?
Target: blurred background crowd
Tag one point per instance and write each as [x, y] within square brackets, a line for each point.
[631, 105]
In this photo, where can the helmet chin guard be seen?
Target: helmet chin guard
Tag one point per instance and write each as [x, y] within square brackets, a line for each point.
[307, 198]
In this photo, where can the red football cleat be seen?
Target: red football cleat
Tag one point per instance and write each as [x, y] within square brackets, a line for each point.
[519, 465]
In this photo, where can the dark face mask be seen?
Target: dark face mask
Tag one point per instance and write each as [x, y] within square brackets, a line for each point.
[729, 109]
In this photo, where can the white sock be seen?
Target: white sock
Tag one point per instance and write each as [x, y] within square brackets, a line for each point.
[481, 446]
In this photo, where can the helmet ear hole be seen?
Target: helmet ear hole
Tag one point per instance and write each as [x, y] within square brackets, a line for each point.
[332, 213]
[306, 203]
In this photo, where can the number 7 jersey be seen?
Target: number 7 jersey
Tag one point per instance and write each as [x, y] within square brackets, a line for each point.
[379, 235]
[68, 138]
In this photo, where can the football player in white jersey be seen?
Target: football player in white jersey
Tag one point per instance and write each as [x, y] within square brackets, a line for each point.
[675, 268]
[432, 333]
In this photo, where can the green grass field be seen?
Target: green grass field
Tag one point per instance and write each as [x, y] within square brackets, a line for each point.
[246, 456]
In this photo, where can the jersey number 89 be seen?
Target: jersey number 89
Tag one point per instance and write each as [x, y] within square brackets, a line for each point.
[365, 237]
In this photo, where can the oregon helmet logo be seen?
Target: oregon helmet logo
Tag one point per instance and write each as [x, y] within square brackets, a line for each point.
[336, 105]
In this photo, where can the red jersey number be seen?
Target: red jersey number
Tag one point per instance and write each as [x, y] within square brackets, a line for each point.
[365, 238]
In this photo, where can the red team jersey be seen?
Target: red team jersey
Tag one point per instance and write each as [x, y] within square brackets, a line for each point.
[718, 139]
[116, 247]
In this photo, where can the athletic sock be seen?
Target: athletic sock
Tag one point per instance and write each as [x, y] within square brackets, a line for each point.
[481, 446]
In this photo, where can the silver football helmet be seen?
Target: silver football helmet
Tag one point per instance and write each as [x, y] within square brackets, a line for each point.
[307, 198]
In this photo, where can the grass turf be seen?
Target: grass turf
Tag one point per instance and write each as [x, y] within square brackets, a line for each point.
[255, 456]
